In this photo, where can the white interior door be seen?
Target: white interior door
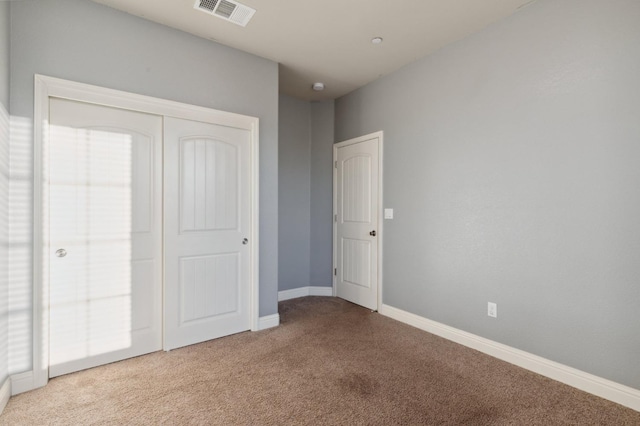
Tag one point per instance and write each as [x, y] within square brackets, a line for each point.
[105, 228]
[356, 203]
[207, 231]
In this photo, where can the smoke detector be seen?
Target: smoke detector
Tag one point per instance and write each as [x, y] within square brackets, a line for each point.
[228, 10]
[318, 87]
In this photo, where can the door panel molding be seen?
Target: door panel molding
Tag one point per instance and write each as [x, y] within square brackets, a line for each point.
[50, 87]
[105, 185]
[354, 215]
[207, 212]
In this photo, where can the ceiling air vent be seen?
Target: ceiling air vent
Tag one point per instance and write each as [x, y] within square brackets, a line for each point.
[228, 10]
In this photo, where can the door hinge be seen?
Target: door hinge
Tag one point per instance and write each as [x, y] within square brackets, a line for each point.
[335, 271]
[335, 217]
[335, 164]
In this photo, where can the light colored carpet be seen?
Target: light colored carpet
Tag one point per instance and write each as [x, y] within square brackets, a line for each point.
[330, 362]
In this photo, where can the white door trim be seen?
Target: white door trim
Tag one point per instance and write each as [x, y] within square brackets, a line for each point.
[46, 87]
[336, 146]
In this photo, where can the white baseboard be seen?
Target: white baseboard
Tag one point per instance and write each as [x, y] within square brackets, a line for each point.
[595, 385]
[304, 291]
[268, 321]
[5, 393]
[22, 382]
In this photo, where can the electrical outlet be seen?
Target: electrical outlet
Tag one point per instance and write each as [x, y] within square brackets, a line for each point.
[492, 310]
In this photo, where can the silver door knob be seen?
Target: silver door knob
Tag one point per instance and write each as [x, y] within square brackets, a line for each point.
[61, 252]
[245, 241]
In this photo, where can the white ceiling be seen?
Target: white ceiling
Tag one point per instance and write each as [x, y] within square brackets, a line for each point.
[330, 40]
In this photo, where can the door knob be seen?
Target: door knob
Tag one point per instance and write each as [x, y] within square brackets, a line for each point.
[61, 252]
[245, 241]
[373, 233]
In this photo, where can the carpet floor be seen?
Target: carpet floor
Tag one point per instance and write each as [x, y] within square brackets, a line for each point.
[329, 362]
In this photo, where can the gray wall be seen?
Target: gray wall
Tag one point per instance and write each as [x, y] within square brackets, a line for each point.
[306, 187]
[322, 128]
[294, 196]
[4, 53]
[4, 190]
[82, 41]
[512, 161]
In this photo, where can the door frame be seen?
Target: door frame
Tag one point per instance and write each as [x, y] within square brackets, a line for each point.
[48, 87]
[379, 226]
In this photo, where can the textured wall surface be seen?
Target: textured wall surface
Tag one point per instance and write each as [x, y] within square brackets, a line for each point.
[511, 160]
[82, 41]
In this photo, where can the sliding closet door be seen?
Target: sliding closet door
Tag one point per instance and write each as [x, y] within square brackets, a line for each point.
[105, 227]
[207, 230]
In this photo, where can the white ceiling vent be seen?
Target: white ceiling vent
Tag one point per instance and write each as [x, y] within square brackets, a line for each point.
[228, 10]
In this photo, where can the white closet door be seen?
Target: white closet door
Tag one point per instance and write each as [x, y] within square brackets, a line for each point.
[105, 227]
[357, 222]
[207, 227]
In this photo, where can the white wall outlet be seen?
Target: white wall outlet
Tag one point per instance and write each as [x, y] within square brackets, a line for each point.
[492, 310]
[388, 213]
